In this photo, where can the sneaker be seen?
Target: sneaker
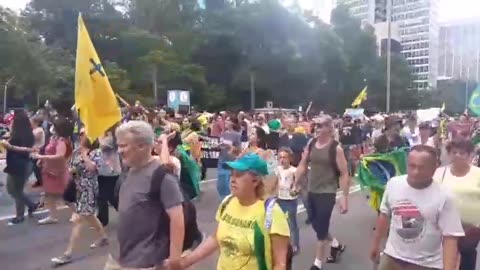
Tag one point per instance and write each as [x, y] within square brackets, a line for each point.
[314, 267]
[47, 220]
[33, 209]
[335, 253]
[62, 260]
[100, 243]
[16, 221]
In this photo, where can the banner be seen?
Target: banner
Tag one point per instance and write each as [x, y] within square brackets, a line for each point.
[178, 98]
[210, 151]
[355, 113]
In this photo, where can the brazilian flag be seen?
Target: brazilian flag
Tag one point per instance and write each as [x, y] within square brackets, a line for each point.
[474, 104]
[375, 170]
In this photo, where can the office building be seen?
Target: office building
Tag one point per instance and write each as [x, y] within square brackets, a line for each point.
[381, 32]
[418, 28]
[459, 50]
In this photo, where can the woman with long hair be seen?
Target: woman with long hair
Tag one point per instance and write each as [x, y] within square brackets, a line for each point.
[54, 166]
[86, 160]
[463, 180]
[251, 233]
[19, 165]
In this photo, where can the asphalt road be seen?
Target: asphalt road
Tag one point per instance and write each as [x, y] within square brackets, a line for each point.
[30, 247]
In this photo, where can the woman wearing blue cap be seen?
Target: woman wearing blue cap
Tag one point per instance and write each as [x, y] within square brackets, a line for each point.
[252, 233]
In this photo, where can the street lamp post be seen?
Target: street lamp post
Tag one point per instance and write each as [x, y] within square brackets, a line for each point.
[5, 94]
[389, 51]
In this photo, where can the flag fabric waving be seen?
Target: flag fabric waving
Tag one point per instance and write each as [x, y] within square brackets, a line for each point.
[375, 170]
[94, 98]
[474, 104]
[360, 98]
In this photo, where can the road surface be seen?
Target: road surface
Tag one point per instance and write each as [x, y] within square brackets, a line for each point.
[30, 247]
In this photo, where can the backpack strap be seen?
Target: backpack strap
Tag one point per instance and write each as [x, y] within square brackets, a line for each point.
[332, 154]
[225, 203]
[156, 183]
[269, 205]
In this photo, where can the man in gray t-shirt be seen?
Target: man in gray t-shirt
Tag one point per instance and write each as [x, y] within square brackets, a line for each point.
[149, 230]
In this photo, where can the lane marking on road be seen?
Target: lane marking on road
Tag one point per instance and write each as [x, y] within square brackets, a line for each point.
[300, 208]
[208, 181]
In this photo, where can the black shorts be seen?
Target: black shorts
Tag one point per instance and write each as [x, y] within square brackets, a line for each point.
[321, 207]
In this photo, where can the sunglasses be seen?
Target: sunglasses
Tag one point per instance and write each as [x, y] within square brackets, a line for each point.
[321, 125]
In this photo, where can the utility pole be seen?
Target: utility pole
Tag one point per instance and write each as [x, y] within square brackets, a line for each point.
[5, 94]
[389, 51]
[252, 91]
[466, 89]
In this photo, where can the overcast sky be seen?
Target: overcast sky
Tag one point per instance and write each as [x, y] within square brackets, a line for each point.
[449, 9]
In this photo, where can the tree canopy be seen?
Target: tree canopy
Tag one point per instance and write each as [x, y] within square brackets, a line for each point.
[151, 46]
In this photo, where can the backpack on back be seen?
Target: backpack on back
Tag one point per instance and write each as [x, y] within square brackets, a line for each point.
[189, 211]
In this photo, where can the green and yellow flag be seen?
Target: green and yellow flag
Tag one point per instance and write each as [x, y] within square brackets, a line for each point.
[94, 98]
[360, 98]
[474, 104]
[375, 171]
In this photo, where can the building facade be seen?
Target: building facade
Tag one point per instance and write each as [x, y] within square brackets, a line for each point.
[459, 50]
[418, 29]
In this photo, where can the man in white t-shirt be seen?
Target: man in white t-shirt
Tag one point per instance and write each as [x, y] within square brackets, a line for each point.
[424, 223]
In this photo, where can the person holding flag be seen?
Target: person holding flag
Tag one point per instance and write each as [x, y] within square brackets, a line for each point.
[98, 110]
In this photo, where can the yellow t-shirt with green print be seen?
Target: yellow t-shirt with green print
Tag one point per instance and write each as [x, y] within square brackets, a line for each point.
[236, 234]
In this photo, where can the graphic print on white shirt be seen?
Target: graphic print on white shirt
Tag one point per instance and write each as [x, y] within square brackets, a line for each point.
[409, 221]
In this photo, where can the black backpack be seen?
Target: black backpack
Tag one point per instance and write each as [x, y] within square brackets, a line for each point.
[332, 155]
[192, 234]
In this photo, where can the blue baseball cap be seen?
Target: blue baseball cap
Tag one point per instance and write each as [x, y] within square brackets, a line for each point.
[249, 162]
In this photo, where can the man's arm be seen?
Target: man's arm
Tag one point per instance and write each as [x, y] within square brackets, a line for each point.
[450, 252]
[301, 168]
[172, 199]
[344, 174]
[382, 226]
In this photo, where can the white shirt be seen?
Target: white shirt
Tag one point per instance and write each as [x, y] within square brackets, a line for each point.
[419, 218]
[412, 137]
[39, 135]
[286, 179]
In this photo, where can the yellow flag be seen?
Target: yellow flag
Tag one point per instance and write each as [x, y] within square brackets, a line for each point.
[94, 98]
[360, 98]
[443, 107]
